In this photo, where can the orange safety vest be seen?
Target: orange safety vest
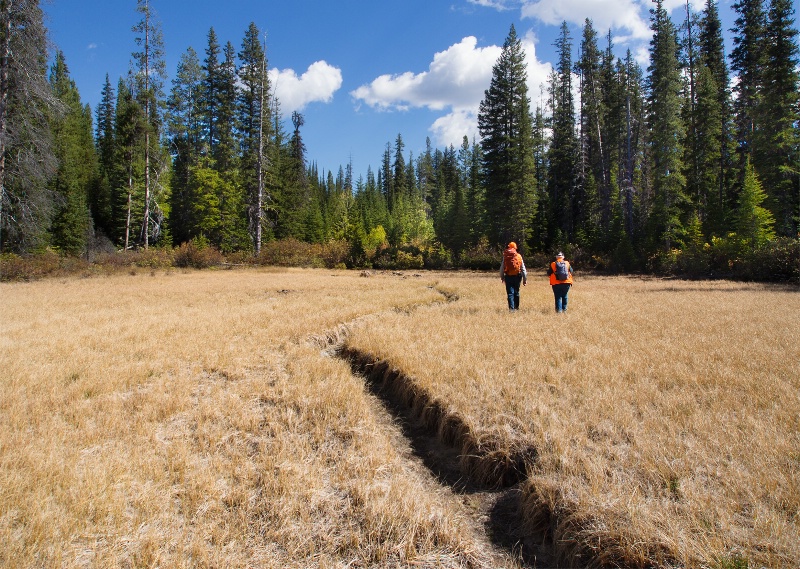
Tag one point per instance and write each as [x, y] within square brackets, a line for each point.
[553, 274]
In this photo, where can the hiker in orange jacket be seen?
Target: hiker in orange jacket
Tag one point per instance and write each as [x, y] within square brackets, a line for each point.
[512, 273]
[560, 272]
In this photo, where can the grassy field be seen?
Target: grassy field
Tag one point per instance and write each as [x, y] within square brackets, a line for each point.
[664, 415]
[197, 419]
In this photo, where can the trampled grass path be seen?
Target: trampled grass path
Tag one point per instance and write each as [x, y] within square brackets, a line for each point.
[483, 481]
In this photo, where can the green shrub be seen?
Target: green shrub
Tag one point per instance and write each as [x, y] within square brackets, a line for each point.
[694, 262]
[47, 263]
[437, 257]
[291, 252]
[776, 261]
[13, 268]
[153, 258]
[481, 257]
[399, 259]
[334, 254]
[196, 255]
[288, 252]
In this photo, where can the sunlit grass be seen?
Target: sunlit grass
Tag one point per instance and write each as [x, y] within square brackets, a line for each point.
[665, 414]
[185, 420]
[194, 419]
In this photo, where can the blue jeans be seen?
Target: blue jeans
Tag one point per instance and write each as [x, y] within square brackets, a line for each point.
[560, 291]
[512, 289]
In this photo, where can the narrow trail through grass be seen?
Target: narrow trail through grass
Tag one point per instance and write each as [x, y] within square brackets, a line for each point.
[484, 481]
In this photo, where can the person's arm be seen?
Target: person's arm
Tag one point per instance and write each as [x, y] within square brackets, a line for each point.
[502, 272]
[524, 274]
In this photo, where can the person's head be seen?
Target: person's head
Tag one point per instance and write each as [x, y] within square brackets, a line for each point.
[560, 256]
[512, 245]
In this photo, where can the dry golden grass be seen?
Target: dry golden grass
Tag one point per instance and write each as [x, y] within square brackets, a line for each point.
[193, 419]
[665, 415]
[186, 420]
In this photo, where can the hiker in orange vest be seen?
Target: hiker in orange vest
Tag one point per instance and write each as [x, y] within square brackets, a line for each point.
[560, 272]
[512, 273]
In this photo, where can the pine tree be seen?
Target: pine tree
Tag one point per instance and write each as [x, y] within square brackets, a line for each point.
[184, 133]
[754, 223]
[469, 165]
[150, 74]
[385, 177]
[747, 61]
[666, 130]
[26, 104]
[458, 226]
[210, 94]
[217, 207]
[425, 173]
[563, 183]
[695, 191]
[400, 185]
[594, 169]
[295, 198]
[226, 150]
[447, 182]
[254, 127]
[505, 125]
[77, 163]
[716, 119]
[540, 239]
[338, 204]
[634, 164]
[779, 159]
[127, 179]
[100, 200]
[707, 178]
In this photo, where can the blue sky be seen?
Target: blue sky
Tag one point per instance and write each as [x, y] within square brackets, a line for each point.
[360, 71]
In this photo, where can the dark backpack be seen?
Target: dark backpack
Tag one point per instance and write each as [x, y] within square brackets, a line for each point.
[562, 272]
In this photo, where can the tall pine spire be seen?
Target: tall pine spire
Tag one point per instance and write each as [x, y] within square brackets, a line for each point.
[505, 125]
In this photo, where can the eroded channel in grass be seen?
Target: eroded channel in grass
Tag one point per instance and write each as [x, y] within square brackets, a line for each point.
[483, 475]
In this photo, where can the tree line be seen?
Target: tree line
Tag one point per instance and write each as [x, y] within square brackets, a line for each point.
[672, 167]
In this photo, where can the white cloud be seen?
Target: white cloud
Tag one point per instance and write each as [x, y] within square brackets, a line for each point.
[625, 16]
[452, 127]
[538, 71]
[318, 84]
[455, 82]
[496, 4]
[456, 78]
[91, 46]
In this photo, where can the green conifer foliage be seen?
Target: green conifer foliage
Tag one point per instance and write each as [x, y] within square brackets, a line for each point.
[667, 131]
[77, 163]
[754, 223]
[779, 158]
[563, 181]
[27, 103]
[184, 133]
[505, 125]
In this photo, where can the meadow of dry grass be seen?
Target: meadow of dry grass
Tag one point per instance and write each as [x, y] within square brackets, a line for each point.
[664, 415]
[186, 420]
[195, 419]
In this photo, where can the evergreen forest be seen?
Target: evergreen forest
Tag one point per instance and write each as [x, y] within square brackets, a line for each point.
[689, 166]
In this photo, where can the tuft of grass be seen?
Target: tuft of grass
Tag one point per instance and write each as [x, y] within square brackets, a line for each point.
[735, 561]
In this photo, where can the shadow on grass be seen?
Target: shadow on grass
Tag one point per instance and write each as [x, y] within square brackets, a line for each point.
[451, 453]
